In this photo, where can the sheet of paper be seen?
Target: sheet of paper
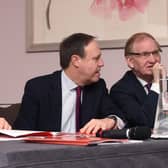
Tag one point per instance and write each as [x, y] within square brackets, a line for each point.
[10, 139]
[122, 142]
[159, 136]
[19, 133]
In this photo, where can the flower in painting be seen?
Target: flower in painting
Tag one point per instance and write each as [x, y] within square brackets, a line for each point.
[126, 8]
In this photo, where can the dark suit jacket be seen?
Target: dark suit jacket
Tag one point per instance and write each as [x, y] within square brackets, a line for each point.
[42, 103]
[138, 107]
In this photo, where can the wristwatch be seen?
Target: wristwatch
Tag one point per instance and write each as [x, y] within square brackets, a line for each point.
[115, 120]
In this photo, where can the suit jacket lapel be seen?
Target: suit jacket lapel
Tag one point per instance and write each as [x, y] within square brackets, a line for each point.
[138, 88]
[87, 108]
[56, 101]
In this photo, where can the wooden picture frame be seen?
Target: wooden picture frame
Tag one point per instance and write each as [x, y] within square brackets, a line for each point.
[80, 16]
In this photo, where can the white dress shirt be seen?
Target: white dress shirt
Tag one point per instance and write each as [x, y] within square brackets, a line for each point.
[154, 86]
[68, 123]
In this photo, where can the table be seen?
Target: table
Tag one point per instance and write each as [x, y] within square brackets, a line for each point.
[151, 153]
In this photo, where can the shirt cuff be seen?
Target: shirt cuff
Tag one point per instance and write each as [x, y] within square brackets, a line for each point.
[119, 122]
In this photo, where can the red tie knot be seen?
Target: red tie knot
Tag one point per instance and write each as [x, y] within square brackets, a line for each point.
[78, 90]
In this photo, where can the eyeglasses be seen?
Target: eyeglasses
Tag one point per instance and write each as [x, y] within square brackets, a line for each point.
[146, 53]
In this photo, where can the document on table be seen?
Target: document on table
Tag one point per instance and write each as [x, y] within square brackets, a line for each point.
[8, 135]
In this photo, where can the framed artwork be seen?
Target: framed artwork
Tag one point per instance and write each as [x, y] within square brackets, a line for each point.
[111, 21]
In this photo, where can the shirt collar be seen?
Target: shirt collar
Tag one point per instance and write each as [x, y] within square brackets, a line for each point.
[67, 83]
[143, 83]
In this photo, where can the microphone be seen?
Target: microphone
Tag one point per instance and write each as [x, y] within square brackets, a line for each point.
[137, 133]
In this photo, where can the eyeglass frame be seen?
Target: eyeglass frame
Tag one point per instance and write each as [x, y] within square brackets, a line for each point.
[146, 53]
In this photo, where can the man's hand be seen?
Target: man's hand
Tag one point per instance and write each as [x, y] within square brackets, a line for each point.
[4, 124]
[94, 125]
[159, 71]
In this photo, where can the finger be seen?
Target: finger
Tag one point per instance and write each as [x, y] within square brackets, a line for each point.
[87, 125]
[4, 124]
[96, 129]
[87, 129]
[7, 126]
[83, 130]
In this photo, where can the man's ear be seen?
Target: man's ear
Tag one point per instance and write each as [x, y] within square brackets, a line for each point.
[75, 60]
[129, 61]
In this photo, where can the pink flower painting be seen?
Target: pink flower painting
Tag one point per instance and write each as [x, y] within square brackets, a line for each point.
[126, 8]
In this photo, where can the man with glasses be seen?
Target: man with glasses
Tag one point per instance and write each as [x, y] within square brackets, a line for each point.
[136, 93]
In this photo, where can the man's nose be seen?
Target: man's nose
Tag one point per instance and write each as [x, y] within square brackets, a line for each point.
[101, 62]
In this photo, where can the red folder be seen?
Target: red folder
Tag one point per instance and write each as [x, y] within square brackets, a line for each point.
[48, 137]
[71, 139]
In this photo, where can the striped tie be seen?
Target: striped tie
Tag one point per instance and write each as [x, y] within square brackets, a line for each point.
[148, 86]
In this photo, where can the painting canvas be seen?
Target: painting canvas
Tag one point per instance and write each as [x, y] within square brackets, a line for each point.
[111, 21]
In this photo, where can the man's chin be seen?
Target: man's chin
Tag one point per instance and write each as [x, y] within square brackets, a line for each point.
[149, 74]
[95, 79]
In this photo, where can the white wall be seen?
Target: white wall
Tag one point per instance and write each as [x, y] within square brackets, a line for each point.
[17, 66]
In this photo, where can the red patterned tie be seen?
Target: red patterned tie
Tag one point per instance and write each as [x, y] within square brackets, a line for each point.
[78, 105]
